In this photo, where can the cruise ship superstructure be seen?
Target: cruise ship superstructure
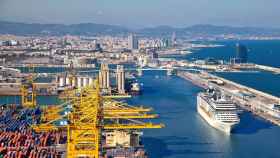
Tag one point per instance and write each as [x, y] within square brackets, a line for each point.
[218, 110]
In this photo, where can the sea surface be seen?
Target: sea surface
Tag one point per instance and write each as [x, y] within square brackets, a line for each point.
[187, 135]
[265, 52]
[263, 81]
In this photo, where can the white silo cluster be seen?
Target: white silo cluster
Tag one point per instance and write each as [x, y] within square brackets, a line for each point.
[120, 79]
[79, 81]
[104, 76]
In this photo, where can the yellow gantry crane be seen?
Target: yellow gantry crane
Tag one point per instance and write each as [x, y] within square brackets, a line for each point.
[83, 131]
[28, 90]
[90, 115]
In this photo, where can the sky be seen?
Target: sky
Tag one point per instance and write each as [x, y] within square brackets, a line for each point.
[144, 13]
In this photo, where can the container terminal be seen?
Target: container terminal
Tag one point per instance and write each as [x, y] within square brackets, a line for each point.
[91, 122]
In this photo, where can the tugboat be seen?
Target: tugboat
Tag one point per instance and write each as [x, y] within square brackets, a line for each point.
[135, 88]
[132, 85]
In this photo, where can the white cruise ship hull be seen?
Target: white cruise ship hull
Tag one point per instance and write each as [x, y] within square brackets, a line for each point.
[225, 127]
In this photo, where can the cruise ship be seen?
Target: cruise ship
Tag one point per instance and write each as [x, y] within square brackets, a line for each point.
[219, 111]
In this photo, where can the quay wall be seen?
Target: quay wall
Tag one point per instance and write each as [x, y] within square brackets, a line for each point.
[277, 99]
[256, 106]
[267, 68]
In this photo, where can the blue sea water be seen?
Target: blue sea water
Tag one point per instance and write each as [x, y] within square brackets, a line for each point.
[263, 81]
[187, 135]
[265, 52]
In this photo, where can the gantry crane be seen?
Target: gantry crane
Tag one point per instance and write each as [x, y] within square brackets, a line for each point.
[91, 114]
[28, 90]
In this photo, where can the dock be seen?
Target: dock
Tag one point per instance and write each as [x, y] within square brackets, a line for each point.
[252, 66]
[268, 68]
[13, 89]
[255, 101]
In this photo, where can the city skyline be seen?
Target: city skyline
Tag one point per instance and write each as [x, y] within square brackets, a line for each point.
[138, 14]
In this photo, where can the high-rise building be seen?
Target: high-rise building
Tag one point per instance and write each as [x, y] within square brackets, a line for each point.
[173, 39]
[132, 42]
[166, 43]
[241, 53]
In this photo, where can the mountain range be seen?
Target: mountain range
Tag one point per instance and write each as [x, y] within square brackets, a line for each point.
[92, 29]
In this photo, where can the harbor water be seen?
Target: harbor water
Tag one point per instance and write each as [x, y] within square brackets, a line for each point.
[263, 81]
[263, 52]
[187, 135]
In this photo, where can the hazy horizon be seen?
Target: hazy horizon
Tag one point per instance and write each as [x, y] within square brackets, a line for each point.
[143, 27]
[145, 13]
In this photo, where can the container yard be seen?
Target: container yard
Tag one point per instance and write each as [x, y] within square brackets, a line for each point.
[89, 123]
[18, 140]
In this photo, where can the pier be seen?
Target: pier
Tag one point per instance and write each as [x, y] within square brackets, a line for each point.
[259, 103]
[268, 68]
[252, 66]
